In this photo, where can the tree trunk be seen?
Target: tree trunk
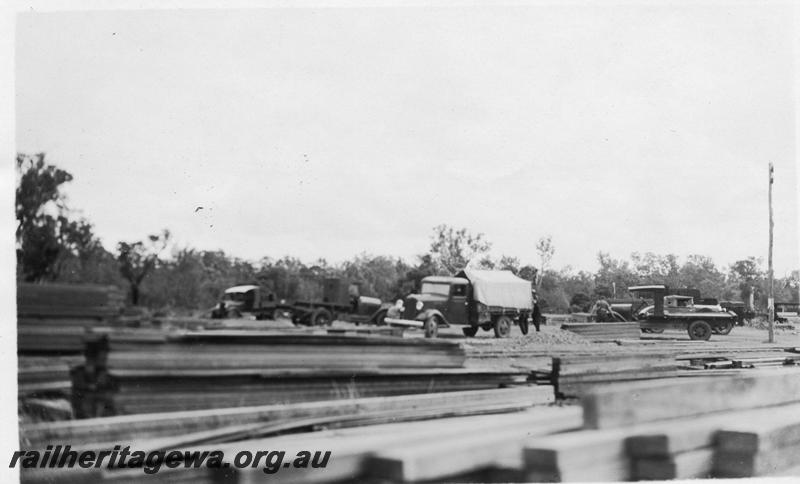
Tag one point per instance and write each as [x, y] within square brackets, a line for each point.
[135, 294]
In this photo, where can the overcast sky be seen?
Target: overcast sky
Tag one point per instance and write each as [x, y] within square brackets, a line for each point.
[325, 132]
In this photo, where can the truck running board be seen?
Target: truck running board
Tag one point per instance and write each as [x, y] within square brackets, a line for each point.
[404, 322]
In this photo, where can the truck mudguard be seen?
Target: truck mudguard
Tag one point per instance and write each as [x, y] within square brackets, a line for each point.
[427, 313]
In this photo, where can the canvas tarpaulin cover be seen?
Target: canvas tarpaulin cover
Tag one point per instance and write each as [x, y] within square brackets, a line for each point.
[499, 288]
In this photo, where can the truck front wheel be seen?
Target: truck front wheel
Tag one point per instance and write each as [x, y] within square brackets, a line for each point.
[431, 327]
[502, 327]
[699, 330]
[321, 317]
[469, 331]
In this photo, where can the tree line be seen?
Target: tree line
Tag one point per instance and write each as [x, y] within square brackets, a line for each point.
[54, 245]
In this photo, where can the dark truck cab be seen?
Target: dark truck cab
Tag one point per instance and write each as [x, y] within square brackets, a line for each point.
[243, 299]
[474, 299]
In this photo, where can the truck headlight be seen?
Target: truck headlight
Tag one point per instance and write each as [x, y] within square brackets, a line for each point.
[419, 305]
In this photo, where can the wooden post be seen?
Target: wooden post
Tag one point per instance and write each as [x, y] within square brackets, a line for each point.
[770, 296]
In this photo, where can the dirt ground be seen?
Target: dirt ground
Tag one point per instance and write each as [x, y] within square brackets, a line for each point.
[552, 335]
[739, 335]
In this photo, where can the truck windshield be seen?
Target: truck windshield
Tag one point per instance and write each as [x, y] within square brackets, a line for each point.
[435, 288]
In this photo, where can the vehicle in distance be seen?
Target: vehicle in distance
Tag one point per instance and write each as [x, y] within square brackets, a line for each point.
[678, 312]
[787, 312]
[473, 299]
[341, 299]
[246, 299]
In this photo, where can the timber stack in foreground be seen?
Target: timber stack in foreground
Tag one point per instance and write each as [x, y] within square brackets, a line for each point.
[160, 372]
[668, 429]
[54, 323]
[660, 429]
[363, 425]
[55, 318]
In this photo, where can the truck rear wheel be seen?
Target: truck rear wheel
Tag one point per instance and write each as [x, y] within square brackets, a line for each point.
[699, 330]
[502, 327]
[469, 331]
[321, 317]
[431, 327]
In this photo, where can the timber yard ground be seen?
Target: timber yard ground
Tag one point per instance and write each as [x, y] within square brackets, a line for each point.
[610, 404]
[551, 333]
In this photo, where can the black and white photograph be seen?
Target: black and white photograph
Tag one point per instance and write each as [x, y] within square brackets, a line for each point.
[333, 241]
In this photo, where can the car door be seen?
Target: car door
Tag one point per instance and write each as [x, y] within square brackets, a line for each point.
[457, 305]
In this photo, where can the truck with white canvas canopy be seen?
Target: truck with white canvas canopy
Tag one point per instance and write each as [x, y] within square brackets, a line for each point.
[474, 299]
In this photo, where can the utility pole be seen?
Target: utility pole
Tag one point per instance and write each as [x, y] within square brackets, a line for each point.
[770, 296]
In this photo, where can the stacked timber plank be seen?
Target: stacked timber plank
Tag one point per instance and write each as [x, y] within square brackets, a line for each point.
[53, 322]
[147, 372]
[568, 318]
[44, 387]
[655, 429]
[143, 351]
[338, 328]
[359, 433]
[54, 318]
[127, 394]
[659, 429]
[68, 301]
[574, 375]
[447, 449]
[666, 429]
[707, 446]
[604, 331]
[762, 446]
[178, 426]
[750, 359]
[379, 331]
[721, 361]
[573, 369]
[61, 337]
[39, 376]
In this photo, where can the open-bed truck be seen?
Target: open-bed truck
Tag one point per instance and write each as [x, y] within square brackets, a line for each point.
[341, 299]
[699, 323]
[473, 299]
